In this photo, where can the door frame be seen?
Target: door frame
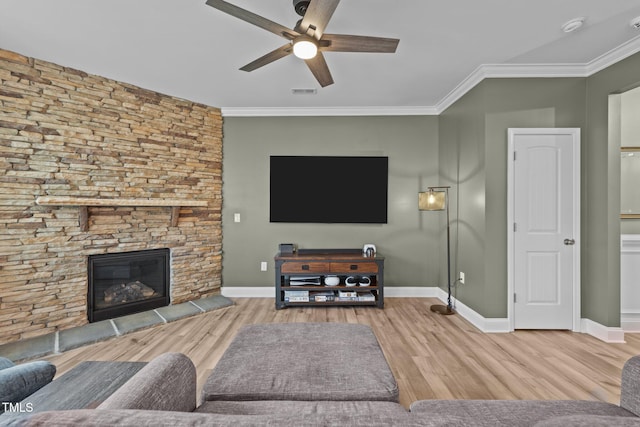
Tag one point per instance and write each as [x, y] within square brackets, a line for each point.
[512, 133]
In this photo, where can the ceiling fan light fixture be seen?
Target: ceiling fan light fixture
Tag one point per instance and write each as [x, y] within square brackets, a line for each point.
[305, 47]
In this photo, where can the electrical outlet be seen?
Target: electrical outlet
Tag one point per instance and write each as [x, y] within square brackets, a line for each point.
[461, 278]
[263, 266]
[236, 217]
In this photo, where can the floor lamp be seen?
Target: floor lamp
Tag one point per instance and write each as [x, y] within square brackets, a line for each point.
[437, 199]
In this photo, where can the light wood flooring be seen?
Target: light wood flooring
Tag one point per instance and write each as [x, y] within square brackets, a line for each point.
[432, 356]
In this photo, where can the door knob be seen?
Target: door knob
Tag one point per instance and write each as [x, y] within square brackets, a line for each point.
[569, 242]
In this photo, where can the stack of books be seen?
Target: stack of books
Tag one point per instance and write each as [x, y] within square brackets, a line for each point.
[347, 296]
[323, 296]
[366, 296]
[296, 296]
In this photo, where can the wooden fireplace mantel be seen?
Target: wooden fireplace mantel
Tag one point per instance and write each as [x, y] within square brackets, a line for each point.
[84, 202]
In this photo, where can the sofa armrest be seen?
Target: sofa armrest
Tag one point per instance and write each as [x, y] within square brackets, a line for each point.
[630, 387]
[20, 381]
[167, 383]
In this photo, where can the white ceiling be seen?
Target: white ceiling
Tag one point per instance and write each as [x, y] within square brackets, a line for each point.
[187, 49]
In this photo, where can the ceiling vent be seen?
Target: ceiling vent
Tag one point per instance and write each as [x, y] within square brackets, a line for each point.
[304, 91]
[573, 24]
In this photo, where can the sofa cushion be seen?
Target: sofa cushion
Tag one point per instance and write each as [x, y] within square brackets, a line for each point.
[137, 418]
[19, 381]
[513, 412]
[302, 361]
[298, 407]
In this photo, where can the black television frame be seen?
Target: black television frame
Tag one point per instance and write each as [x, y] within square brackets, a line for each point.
[329, 189]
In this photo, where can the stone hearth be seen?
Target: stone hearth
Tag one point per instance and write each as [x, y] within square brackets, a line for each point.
[71, 338]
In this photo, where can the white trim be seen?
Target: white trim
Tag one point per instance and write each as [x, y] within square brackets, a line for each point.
[412, 292]
[249, 292]
[484, 71]
[629, 243]
[630, 322]
[604, 333]
[485, 324]
[575, 133]
[328, 111]
[617, 54]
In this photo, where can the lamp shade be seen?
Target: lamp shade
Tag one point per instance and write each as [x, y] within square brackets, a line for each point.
[432, 200]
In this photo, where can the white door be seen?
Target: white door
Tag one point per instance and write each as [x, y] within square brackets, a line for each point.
[544, 238]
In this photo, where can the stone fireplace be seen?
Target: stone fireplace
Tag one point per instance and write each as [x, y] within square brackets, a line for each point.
[88, 167]
[127, 283]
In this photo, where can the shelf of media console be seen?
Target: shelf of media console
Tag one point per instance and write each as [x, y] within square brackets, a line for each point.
[329, 295]
[322, 263]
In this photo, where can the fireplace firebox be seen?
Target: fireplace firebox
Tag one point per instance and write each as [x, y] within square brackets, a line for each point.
[127, 283]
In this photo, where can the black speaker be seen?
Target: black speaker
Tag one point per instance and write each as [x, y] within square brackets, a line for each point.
[287, 248]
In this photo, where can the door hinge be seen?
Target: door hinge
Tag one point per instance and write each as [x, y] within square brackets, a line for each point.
[515, 227]
[514, 298]
[514, 156]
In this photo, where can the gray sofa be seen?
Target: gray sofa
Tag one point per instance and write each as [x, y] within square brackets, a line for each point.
[248, 387]
[17, 382]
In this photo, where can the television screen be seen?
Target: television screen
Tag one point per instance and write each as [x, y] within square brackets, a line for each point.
[328, 189]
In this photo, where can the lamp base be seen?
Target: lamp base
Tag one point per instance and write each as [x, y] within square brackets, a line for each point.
[442, 309]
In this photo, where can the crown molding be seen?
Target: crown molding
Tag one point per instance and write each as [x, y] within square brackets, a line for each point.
[621, 52]
[539, 71]
[327, 111]
[484, 71]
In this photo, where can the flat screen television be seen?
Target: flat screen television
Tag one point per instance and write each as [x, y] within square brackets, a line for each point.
[328, 189]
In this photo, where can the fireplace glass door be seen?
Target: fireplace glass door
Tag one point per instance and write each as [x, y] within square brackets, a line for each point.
[127, 283]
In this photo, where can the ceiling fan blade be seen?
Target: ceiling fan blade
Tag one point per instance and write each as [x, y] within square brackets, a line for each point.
[318, 15]
[252, 18]
[320, 69]
[347, 43]
[274, 55]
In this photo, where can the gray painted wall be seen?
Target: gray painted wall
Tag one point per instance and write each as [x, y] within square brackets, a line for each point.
[473, 148]
[410, 240]
[473, 143]
[466, 148]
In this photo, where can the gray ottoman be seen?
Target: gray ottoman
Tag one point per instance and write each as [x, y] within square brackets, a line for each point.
[302, 361]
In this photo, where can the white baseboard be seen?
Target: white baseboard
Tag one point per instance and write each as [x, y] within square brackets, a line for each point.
[630, 322]
[485, 324]
[604, 333]
[411, 292]
[249, 292]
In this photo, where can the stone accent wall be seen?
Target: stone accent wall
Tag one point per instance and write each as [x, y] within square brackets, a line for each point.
[64, 132]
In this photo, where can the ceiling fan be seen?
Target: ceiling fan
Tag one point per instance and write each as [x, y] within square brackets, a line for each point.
[307, 40]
